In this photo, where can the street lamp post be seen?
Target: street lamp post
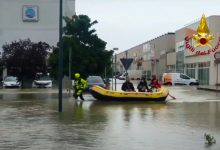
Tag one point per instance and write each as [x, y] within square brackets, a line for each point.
[115, 49]
[60, 103]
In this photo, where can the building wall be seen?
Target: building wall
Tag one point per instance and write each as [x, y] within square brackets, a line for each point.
[13, 28]
[167, 53]
[215, 29]
[161, 46]
[180, 49]
[137, 54]
[149, 56]
[202, 67]
[171, 62]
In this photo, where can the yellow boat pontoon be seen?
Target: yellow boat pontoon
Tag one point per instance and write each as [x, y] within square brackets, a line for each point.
[107, 95]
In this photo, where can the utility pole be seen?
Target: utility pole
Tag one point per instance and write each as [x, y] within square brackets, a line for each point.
[60, 102]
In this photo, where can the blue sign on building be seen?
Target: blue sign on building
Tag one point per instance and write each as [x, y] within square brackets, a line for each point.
[30, 13]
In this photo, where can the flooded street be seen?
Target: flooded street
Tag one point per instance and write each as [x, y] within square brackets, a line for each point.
[29, 120]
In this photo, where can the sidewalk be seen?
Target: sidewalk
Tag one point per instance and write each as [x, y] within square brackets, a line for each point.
[209, 88]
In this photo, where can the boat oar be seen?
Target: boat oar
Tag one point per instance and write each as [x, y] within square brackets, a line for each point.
[172, 96]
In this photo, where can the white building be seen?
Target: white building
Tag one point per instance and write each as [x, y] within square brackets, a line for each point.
[34, 19]
[201, 67]
[168, 53]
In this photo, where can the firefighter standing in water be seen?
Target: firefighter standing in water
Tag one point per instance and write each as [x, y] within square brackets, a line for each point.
[79, 86]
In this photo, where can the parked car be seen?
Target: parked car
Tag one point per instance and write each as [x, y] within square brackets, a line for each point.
[42, 82]
[133, 75]
[123, 76]
[178, 79]
[11, 82]
[117, 75]
[94, 80]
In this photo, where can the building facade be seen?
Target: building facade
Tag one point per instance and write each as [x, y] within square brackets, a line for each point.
[168, 53]
[201, 67]
[33, 19]
[151, 56]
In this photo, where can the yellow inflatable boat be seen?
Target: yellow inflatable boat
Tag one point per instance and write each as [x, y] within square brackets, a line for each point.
[107, 95]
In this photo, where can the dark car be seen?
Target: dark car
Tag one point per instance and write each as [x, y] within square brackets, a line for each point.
[94, 80]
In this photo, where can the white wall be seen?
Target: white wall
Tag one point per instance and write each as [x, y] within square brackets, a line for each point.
[218, 82]
[46, 29]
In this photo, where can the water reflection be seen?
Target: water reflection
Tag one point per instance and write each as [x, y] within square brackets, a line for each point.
[128, 109]
[78, 112]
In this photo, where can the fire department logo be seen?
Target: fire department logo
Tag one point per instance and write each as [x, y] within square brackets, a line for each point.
[202, 39]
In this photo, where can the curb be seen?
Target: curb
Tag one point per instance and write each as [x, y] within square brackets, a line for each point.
[208, 89]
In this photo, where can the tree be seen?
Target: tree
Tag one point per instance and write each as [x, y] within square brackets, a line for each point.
[89, 56]
[25, 58]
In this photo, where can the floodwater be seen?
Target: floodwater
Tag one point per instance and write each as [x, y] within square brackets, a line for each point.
[29, 120]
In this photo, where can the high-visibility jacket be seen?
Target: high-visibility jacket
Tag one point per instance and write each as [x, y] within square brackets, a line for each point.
[80, 84]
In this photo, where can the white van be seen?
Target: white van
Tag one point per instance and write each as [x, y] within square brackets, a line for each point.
[178, 79]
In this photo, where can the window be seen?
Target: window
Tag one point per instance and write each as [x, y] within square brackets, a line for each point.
[171, 68]
[191, 72]
[203, 76]
[184, 76]
[191, 65]
[203, 73]
[180, 46]
[94, 79]
[204, 65]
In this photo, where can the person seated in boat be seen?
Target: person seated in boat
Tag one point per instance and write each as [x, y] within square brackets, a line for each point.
[127, 85]
[155, 83]
[142, 86]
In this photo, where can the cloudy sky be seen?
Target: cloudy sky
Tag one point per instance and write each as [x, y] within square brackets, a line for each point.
[127, 23]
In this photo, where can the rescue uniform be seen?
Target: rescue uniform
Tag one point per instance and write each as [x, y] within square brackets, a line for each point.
[79, 86]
